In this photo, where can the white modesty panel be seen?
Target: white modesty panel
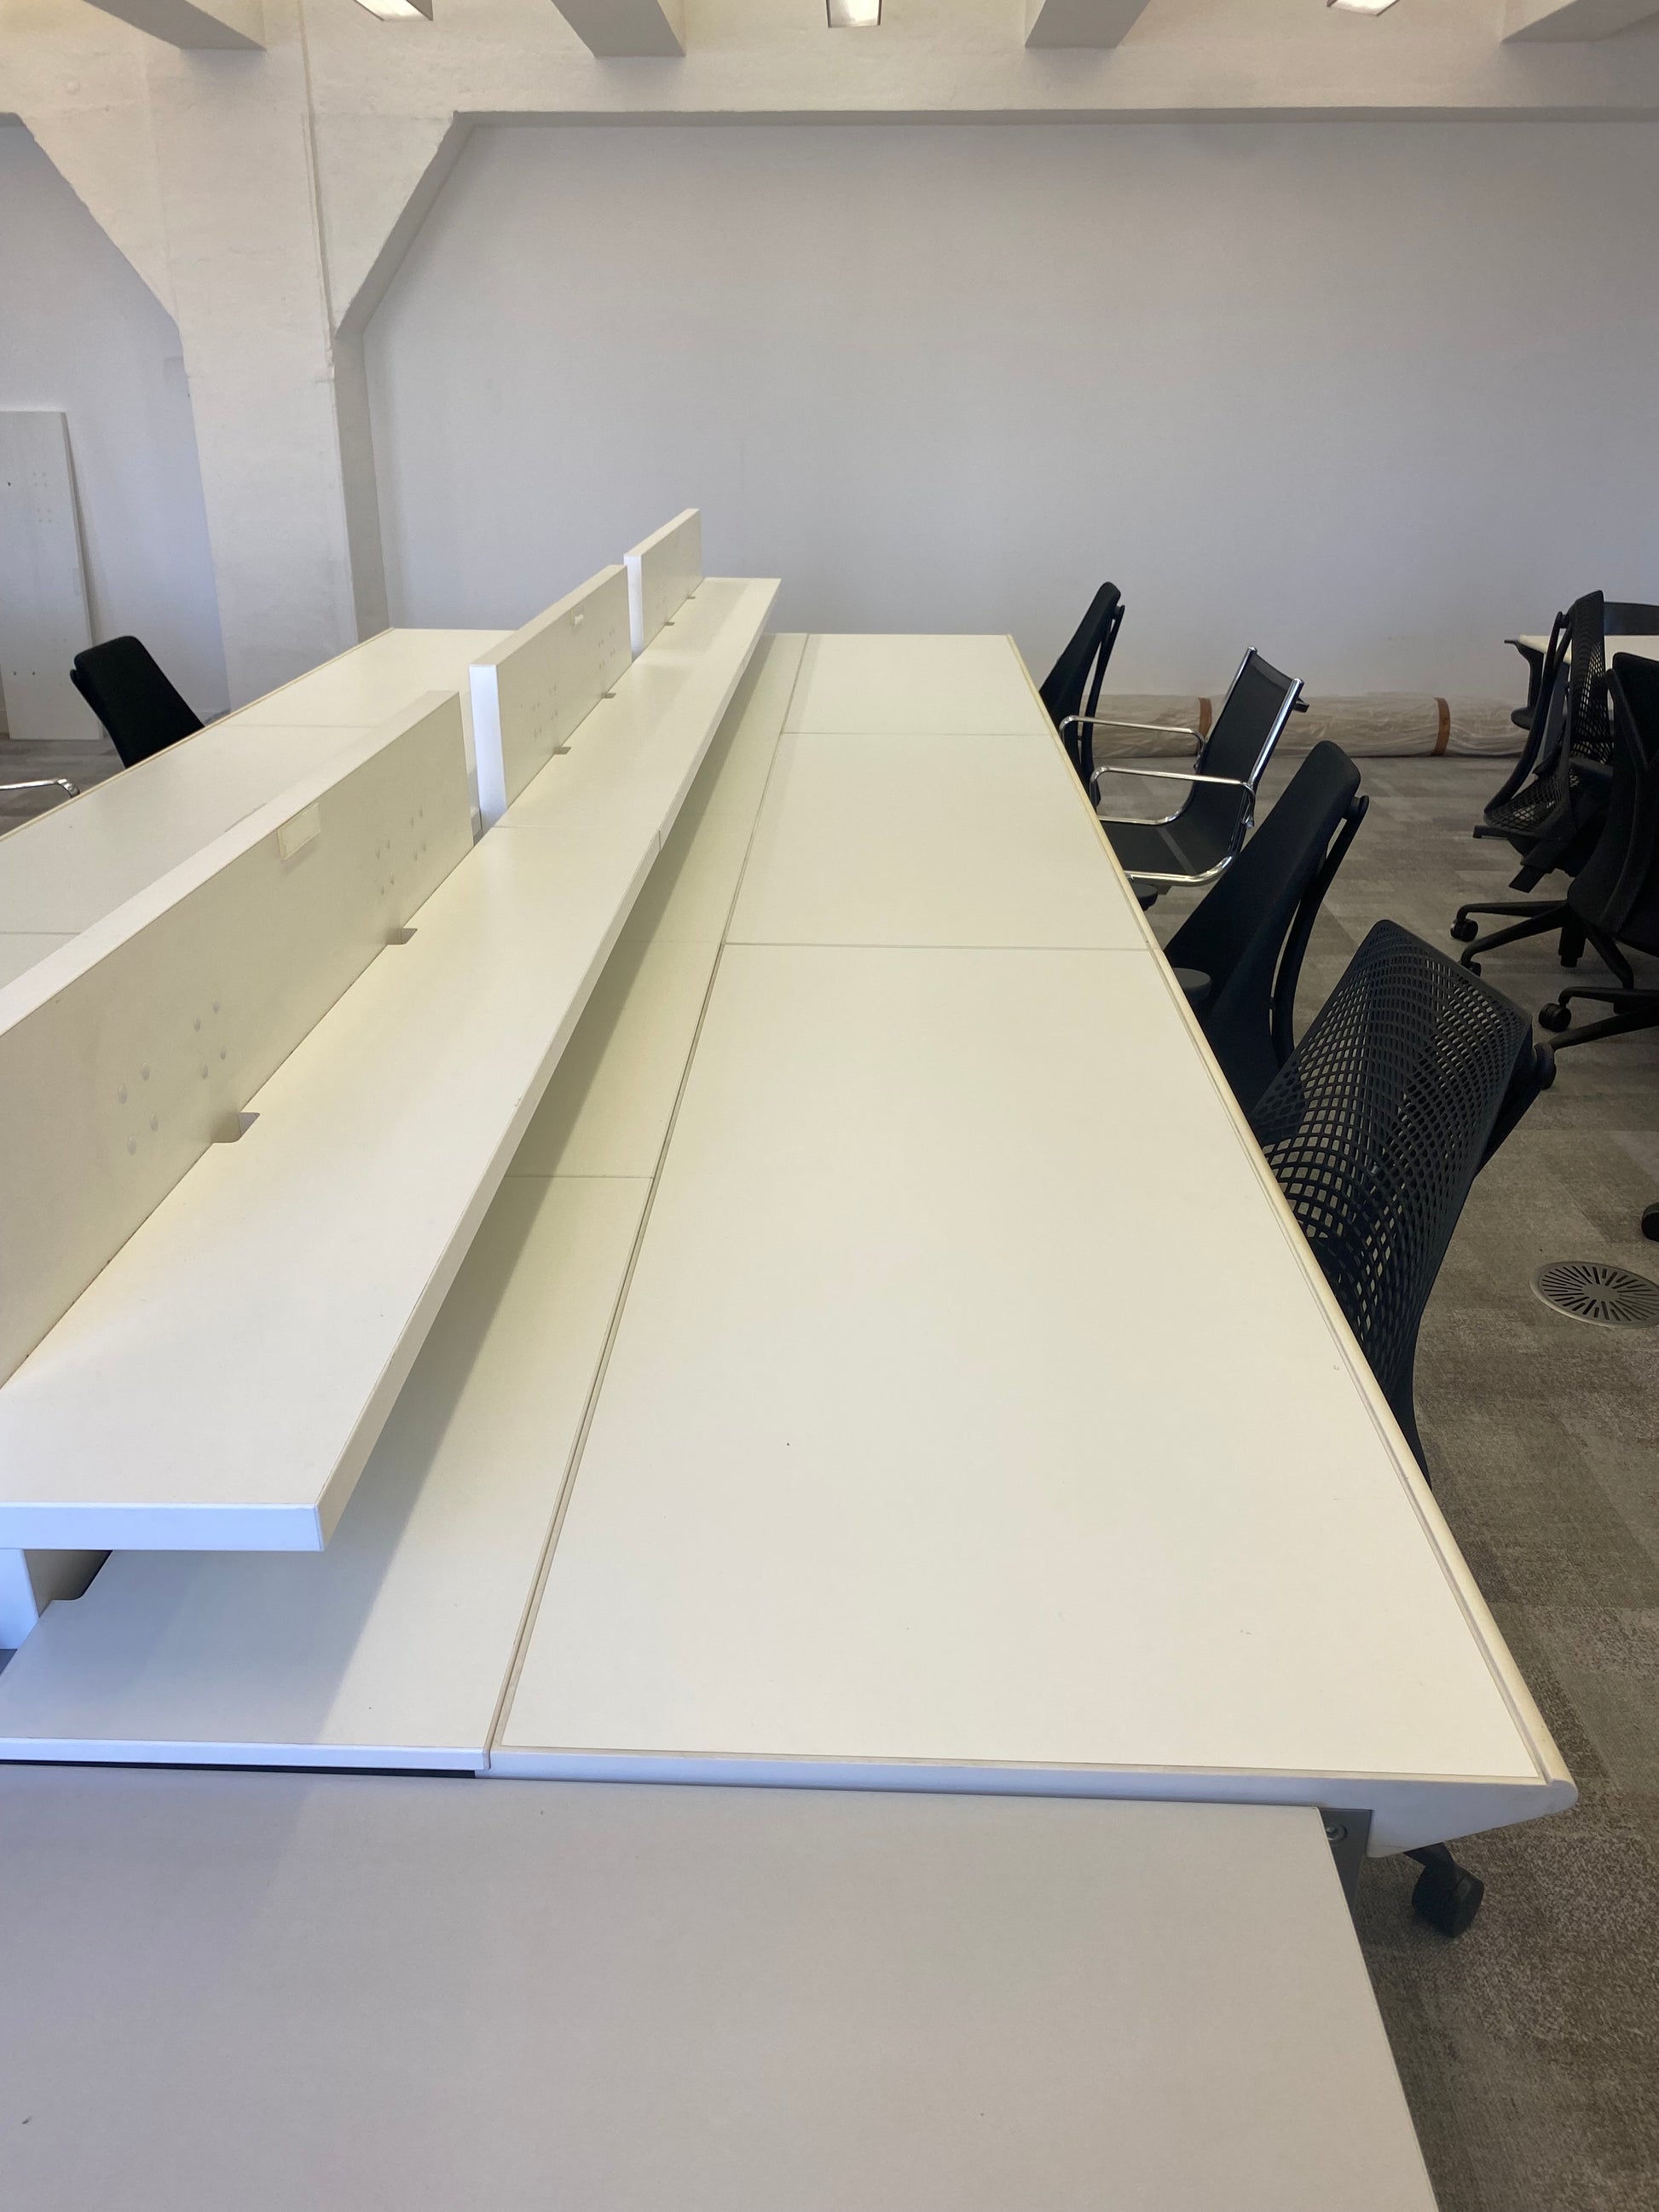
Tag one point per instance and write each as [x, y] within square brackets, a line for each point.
[68, 868]
[929, 686]
[337, 1991]
[900, 1466]
[968, 841]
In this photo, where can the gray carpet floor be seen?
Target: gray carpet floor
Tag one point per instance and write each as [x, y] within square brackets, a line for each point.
[1529, 2048]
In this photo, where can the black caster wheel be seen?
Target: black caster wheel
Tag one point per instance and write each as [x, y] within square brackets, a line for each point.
[1554, 1017]
[1465, 929]
[1448, 1896]
[1650, 1223]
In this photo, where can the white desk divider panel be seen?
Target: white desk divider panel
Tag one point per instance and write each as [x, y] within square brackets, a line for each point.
[664, 570]
[392, 1647]
[534, 689]
[130, 1050]
[64, 870]
[221, 1384]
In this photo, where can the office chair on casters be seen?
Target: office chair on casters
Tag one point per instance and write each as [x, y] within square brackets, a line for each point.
[133, 700]
[1202, 839]
[1410, 1077]
[1616, 894]
[1240, 951]
[1070, 690]
[1552, 806]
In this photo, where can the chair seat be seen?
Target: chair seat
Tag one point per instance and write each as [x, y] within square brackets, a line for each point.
[1147, 849]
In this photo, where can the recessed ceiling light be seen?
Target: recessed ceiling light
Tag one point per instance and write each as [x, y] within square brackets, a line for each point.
[854, 14]
[399, 11]
[1361, 7]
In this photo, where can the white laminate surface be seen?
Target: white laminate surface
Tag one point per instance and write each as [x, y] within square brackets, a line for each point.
[392, 1646]
[70, 866]
[276, 1990]
[20, 949]
[1645, 648]
[931, 1441]
[964, 840]
[926, 686]
[374, 680]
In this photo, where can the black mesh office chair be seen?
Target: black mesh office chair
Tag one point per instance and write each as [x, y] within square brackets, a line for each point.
[133, 700]
[1551, 807]
[1070, 690]
[1242, 945]
[1410, 1077]
[1617, 891]
[1202, 839]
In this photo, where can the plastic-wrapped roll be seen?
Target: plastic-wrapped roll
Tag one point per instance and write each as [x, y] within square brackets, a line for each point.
[1373, 724]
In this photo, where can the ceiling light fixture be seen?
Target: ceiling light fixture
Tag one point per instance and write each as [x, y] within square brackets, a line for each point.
[854, 14]
[1361, 7]
[399, 11]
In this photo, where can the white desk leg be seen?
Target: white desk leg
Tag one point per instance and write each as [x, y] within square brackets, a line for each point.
[30, 1580]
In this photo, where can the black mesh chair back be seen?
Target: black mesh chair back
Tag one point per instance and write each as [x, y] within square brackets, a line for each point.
[1199, 843]
[1072, 686]
[1249, 932]
[1410, 1075]
[1561, 802]
[1619, 887]
[133, 700]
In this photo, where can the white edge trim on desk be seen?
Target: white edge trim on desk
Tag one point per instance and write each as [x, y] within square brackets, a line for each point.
[1407, 1810]
[1530, 1722]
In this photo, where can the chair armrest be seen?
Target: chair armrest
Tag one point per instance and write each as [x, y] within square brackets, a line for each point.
[1160, 775]
[1148, 729]
[45, 783]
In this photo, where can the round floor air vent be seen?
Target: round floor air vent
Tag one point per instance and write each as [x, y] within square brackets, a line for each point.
[1590, 1289]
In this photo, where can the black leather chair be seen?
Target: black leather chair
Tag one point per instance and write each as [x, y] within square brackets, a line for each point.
[1070, 690]
[1240, 951]
[121, 683]
[1202, 839]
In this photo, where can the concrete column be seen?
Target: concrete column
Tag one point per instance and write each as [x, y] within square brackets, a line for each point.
[281, 420]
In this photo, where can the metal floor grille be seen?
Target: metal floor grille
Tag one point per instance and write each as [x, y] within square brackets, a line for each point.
[1593, 1290]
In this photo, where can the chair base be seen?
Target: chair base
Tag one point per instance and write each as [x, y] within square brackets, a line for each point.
[1448, 1896]
[1631, 1010]
[1536, 917]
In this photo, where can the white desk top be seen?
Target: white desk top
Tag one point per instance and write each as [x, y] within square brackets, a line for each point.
[963, 841]
[927, 686]
[374, 679]
[1646, 648]
[272, 1990]
[906, 1455]
[20, 949]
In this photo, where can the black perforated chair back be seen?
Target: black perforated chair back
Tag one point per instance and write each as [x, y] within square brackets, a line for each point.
[1072, 684]
[1617, 888]
[1258, 703]
[133, 700]
[1410, 1075]
[1249, 931]
[1573, 732]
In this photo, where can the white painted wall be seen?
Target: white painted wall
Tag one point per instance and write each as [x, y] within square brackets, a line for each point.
[1368, 394]
[82, 333]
